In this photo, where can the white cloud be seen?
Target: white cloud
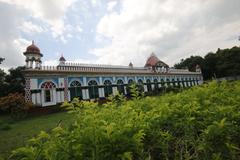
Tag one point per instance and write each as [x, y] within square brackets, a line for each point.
[78, 28]
[30, 17]
[29, 27]
[171, 29]
[51, 12]
[111, 5]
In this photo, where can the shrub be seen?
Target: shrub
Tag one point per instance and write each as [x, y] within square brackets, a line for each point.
[198, 123]
[15, 104]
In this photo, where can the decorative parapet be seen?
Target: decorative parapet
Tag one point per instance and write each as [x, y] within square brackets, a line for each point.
[77, 67]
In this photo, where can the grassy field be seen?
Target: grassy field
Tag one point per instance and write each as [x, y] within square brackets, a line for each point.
[18, 133]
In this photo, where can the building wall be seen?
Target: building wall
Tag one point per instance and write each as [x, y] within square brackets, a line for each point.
[57, 91]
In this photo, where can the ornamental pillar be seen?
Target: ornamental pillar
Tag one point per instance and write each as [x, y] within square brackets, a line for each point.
[66, 89]
[28, 97]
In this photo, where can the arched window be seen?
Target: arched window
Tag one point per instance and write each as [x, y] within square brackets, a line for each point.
[190, 82]
[168, 82]
[162, 82]
[140, 86]
[48, 90]
[149, 87]
[183, 83]
[155, 84]
[194, 82]
[130, 82]
[93, 89]
[173, 82]
[186, 80]
[75, 90]
[178, 82]
[120, 86]
[107, 88]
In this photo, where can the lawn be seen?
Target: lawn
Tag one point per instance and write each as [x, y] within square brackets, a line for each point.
[21, 131]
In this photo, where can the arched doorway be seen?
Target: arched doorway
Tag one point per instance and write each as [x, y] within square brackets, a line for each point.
[168, 82]
[183, 83]
[173, 82]
[130, 82]
[140, 86]
[178, 83]
[120, 86]
[107, 88]
[93, 89]
[155, 84]
[75, 90]
[149, 87]
[162, 83]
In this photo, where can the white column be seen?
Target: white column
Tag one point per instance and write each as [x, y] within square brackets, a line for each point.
[87, 94]
[100, 93]
[84, 81]
[33, 98]
[145, 88]
[38, 98]
[152, 86]
[114, 79]
[114, 90]
[126, 81]
[100, 81]
[84, 94]
[125, 90]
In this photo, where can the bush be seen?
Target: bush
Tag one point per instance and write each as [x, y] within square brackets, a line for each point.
[15, 104]
[198, 123]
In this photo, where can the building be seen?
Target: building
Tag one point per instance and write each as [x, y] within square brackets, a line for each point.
[49, 85]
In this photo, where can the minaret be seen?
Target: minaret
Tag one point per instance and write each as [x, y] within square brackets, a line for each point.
[33, 57]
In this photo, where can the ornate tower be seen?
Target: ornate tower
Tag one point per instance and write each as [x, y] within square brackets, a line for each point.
[33, 57]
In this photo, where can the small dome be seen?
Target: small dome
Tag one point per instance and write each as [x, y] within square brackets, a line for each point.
[32, 49]
[130, 65]
[62, 58]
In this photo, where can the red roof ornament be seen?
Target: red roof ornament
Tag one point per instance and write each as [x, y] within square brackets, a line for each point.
[153, 61]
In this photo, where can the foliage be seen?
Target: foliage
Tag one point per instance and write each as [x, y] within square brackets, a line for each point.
[199, 123]
[15, 104]
[12, 82]
[19, 132]
[223, 63]
[1, 60]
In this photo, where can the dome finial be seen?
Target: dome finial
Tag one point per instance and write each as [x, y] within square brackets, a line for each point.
[32, 41]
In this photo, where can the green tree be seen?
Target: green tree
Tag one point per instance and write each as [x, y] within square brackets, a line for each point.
[12, 82]
[1, 60]
[225, 62]
[190, 63]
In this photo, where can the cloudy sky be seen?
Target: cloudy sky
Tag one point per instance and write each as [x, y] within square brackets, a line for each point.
[116, 31]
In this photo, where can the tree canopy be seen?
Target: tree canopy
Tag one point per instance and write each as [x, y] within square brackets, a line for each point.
[225, 62]
[1, 60]
[11, 82]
